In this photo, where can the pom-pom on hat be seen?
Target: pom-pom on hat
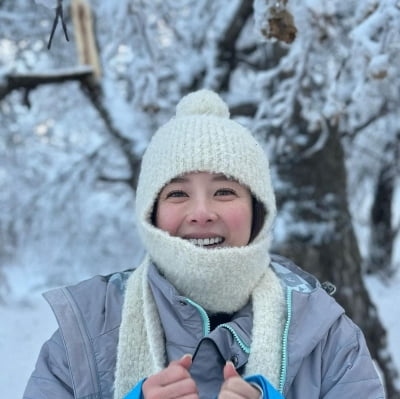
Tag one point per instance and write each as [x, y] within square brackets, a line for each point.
[203, 102]
[202, 138]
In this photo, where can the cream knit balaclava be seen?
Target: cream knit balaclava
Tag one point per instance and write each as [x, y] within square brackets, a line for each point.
[202, 138]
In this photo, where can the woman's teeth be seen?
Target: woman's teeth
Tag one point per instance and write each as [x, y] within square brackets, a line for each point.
[202, 242]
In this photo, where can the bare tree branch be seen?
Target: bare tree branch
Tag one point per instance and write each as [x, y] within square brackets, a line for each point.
[29, 81]
[384, 110]
[227, 45]
[243, 109]
[95, 95]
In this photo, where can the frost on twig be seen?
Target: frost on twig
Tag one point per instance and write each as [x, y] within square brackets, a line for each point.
[274, 20]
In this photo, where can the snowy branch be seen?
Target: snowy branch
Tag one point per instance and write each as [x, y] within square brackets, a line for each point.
[244, 109]
[95, 94]
[29, 81]
[373, 118]
[227, 44]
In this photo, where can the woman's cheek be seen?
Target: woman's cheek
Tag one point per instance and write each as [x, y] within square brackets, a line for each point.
[240, 215]
[168, 218]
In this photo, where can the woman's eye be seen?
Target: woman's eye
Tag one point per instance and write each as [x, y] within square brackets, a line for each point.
[225, 191]
[176, 194]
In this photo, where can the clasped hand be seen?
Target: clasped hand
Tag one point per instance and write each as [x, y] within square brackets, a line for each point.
[175, 381]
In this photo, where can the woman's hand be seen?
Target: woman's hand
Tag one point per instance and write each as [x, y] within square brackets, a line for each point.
[235, 386]
[172, 382]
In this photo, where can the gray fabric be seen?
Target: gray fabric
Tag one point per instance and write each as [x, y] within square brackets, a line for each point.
[78, 361]
[327, 355]
[207, 367]
[292, 276]
[183, 330]
[181, 322]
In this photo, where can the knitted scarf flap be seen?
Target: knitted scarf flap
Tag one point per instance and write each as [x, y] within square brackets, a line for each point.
[141, 347]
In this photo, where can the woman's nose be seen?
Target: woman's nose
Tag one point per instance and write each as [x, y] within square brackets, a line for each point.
[201, 212]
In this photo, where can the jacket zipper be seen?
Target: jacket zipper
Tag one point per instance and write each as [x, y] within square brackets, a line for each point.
[204, 316]
[282, 379]
[245, 348]
[206, 326]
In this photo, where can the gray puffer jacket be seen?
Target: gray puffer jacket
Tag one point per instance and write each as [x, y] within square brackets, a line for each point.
[324, 352]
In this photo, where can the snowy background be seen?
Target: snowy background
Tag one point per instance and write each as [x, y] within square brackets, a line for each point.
[68, 158]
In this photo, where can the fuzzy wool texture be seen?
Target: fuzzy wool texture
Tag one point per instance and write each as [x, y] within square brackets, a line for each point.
[219, 279]
[203, 102]
[202, 138]
[269, 318]
[141, 347]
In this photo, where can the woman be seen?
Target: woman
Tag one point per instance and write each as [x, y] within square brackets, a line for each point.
[208, 313]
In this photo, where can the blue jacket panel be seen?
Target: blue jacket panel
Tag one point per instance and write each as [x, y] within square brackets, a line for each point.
[269, 392]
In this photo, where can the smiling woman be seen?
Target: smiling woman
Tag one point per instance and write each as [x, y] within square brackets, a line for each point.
[208, 313]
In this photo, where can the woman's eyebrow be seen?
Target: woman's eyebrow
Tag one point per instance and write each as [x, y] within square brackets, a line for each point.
[178, 180]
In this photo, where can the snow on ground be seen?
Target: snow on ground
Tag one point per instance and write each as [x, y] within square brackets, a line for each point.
[386, 296]
[26, 325]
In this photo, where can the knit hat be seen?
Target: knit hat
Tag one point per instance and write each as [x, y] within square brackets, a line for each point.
[202, 138]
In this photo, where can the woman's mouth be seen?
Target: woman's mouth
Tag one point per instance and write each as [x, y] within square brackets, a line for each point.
[207, 242]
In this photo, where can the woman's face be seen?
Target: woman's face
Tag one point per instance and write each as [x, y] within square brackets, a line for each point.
[208, 209]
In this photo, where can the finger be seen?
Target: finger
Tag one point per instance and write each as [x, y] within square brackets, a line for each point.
[230, 371]
[178, 389]
[174, 379]
[185, 361]
[237, 387]
[174, 372]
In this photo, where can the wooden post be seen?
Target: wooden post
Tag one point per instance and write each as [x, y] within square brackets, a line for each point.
[84, 36]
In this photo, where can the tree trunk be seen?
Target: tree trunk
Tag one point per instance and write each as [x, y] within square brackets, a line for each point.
[327, 246]
[382, 231]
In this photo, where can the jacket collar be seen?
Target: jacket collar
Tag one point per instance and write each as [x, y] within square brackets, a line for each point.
[185, 323]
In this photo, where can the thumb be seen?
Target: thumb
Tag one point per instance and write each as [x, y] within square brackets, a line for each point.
[185, 361]
[230, 371]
